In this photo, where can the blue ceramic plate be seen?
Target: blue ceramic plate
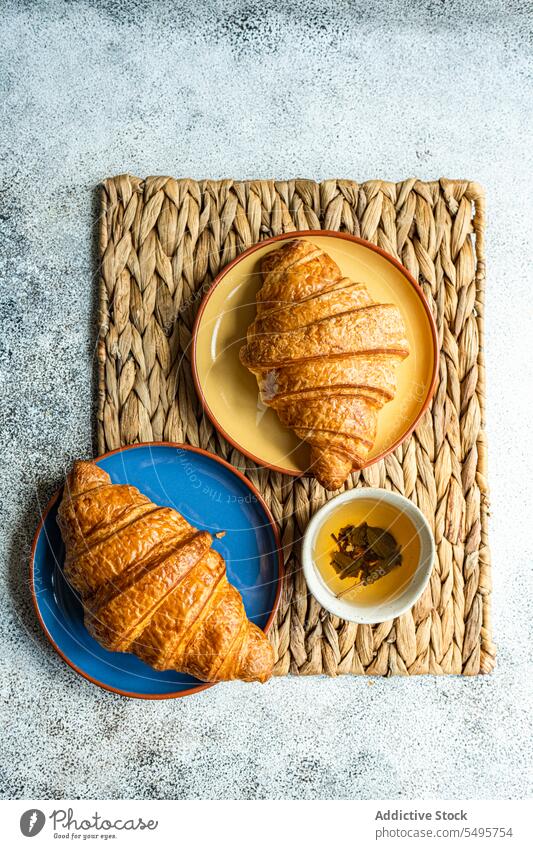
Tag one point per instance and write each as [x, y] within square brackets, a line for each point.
[211, 495]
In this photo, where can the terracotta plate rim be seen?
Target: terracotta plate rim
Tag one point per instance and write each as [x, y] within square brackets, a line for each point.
[297, 234]
[180, 693]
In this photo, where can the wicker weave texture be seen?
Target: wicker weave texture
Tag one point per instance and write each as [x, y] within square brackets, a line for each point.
[162, 241]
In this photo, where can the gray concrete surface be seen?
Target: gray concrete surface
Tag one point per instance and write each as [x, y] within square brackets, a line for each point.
[90, 89]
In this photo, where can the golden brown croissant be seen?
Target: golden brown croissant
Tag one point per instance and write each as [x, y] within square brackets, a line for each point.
[151, 584]
[324, 355]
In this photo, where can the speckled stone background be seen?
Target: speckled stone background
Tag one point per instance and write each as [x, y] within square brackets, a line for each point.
[331, 89]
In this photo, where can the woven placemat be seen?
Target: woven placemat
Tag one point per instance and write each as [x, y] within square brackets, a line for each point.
[163, 240]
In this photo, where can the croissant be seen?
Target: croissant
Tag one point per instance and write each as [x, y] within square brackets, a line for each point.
[324, 355]
[151, 584]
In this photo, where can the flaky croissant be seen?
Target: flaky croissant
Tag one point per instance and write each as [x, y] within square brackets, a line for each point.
[324, 355]
[151, 584]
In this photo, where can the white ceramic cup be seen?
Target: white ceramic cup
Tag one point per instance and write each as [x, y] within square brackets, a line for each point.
[387, 608]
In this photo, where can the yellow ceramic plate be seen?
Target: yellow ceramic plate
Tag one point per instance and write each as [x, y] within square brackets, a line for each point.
[227, 389]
